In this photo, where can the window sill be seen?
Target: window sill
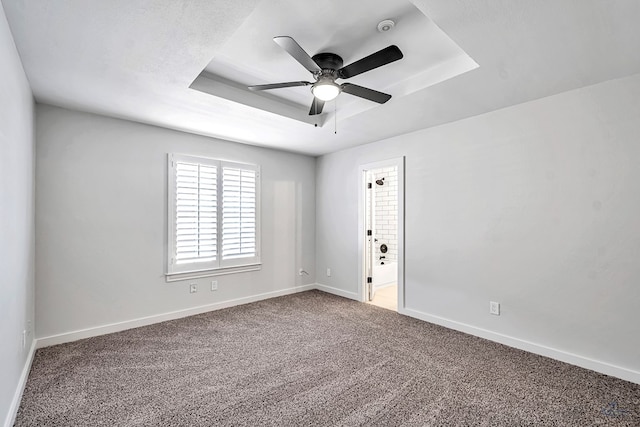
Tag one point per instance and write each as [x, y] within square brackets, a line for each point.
[176, 277]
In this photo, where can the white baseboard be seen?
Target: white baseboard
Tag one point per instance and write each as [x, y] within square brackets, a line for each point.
[336, 291]
[22, 382]
[563, 356]
[542, 350]
[149, 320]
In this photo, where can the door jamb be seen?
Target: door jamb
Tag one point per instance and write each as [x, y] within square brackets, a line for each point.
[398, 162]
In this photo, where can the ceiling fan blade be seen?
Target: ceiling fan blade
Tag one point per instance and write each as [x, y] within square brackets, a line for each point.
[278, 85]
[382, 57]
[316, 106]
[366, 93]
[294, 49]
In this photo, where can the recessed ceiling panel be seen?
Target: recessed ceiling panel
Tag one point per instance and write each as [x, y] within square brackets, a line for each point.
[349, 29]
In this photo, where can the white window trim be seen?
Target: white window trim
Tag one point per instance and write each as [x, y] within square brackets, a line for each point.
[176, 272]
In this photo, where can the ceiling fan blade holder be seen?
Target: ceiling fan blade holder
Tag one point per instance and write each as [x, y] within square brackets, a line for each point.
[366, 93]
[278, 85]
[298, 53]
[382, 57]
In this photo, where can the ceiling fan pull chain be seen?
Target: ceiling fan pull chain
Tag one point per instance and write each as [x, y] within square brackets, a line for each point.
[335, 117]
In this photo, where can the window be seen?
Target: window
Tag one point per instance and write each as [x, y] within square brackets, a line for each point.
[214, 215]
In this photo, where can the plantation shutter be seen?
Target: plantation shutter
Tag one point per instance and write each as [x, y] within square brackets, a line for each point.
[239, 218]
[214, 215]
[196, 213]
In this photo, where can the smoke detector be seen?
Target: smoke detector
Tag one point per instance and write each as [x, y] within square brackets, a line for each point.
[386, 25]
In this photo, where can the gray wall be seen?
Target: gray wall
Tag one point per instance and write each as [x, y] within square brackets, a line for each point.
[16, 218]
[101, 221]
[536, 206]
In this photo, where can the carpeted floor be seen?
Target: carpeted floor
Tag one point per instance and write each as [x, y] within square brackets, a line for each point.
[312, 359]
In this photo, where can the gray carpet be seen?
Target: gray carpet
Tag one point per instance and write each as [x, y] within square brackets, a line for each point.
[312, 359]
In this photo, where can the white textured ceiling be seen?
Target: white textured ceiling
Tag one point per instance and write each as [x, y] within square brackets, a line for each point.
[135, 59]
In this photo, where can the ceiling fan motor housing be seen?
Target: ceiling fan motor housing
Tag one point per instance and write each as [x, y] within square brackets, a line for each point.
[328, 61]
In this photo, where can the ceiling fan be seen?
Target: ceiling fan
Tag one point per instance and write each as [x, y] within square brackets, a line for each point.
[327, 68]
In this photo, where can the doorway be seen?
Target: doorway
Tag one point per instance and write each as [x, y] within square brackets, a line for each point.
[381, 228]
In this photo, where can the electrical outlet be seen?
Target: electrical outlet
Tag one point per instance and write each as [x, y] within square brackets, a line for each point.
[214, 285]
[194, 288]
[494, 308]
[328, 272]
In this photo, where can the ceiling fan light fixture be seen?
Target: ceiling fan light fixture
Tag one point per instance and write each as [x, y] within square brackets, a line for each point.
[325, 90]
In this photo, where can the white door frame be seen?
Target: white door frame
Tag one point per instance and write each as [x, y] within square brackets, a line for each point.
[398, 162]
